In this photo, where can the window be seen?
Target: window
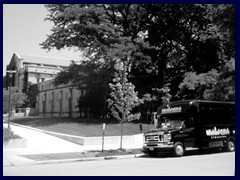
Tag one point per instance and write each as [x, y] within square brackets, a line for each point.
[217, 115]
[189, 123]
[61, 95]
[52, 96]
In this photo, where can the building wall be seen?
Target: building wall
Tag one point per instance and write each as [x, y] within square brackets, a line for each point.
[21, 81]
[57, 101]
[32, 70]
[35, 75]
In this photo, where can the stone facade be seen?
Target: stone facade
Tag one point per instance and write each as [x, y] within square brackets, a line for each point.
[37, 74]
[57, 101]
[33, 69]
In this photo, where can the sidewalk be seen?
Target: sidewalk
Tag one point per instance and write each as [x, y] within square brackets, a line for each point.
[42, 143]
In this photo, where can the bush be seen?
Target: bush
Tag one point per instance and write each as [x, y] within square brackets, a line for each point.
[8, 134]
[18, 98]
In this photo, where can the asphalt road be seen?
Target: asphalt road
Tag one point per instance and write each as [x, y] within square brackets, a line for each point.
[216, 164]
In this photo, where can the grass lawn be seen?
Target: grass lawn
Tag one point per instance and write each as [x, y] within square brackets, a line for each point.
[83, 127]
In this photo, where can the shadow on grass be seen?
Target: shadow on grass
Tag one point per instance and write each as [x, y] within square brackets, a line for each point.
[47, 121]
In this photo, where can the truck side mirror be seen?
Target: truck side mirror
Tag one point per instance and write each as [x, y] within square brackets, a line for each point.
[155, 120]
[183, 126]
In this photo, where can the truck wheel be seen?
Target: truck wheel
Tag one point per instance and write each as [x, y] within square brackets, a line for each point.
[153, 153]
[230, 145]
[178, 149]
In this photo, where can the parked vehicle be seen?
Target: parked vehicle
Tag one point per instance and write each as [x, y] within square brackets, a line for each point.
[182, 125]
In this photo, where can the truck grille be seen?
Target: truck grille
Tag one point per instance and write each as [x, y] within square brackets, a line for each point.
[153, 138]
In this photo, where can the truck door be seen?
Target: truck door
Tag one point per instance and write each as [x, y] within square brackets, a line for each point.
[188, 132]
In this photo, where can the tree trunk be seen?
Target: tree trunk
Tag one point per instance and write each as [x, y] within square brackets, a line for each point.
[121, 134]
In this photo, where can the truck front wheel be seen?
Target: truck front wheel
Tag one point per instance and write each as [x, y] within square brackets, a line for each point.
[178, 149]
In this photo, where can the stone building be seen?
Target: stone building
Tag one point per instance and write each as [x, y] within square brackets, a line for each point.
[34, 69]
[58, 101]
[35, 75]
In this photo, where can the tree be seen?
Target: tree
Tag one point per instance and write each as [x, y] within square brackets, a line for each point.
[159, 42]
[213, 85]
[194, 85]
[90, 77]
[123, 97]
[18, 98]
[176, 33]
[217, 84]
[224, 88]
[107, 33]
[223, 27]
[103, 32]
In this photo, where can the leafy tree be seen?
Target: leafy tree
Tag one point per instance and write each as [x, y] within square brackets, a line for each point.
[194, 85]
[159, 42]
[212, 85]
[18, 98]
[224, 89]
[222, 17]
[107, 33]
[218, 84]
[180, 35]
[123, 97]
[101, 31]
[94, 80]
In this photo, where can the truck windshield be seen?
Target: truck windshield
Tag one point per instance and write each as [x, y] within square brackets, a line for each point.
[171, 123]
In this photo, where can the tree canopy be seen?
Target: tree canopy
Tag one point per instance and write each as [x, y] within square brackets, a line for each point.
[160, 43]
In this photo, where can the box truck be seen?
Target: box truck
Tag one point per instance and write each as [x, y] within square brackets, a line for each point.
[187, 124]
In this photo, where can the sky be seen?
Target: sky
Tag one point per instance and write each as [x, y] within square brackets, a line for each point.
[24, 28]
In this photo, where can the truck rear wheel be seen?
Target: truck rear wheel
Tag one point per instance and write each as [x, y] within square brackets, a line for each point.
[153, 153]
[178, 149]
[230, 145]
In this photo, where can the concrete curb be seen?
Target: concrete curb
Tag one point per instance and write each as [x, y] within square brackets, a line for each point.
[86, 159]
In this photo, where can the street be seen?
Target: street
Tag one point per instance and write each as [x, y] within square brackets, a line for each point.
[216, 164]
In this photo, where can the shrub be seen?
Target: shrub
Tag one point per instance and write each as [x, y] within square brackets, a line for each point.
[8, 134]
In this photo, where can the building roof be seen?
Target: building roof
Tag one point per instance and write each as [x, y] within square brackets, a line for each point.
[44, 60]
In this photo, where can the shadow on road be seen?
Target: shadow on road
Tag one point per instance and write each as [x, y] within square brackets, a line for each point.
[188, 153]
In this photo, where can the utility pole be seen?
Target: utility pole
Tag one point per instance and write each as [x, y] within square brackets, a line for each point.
[10, 87]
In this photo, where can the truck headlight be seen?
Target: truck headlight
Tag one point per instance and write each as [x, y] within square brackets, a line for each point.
[144, 138]
[167, 137]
